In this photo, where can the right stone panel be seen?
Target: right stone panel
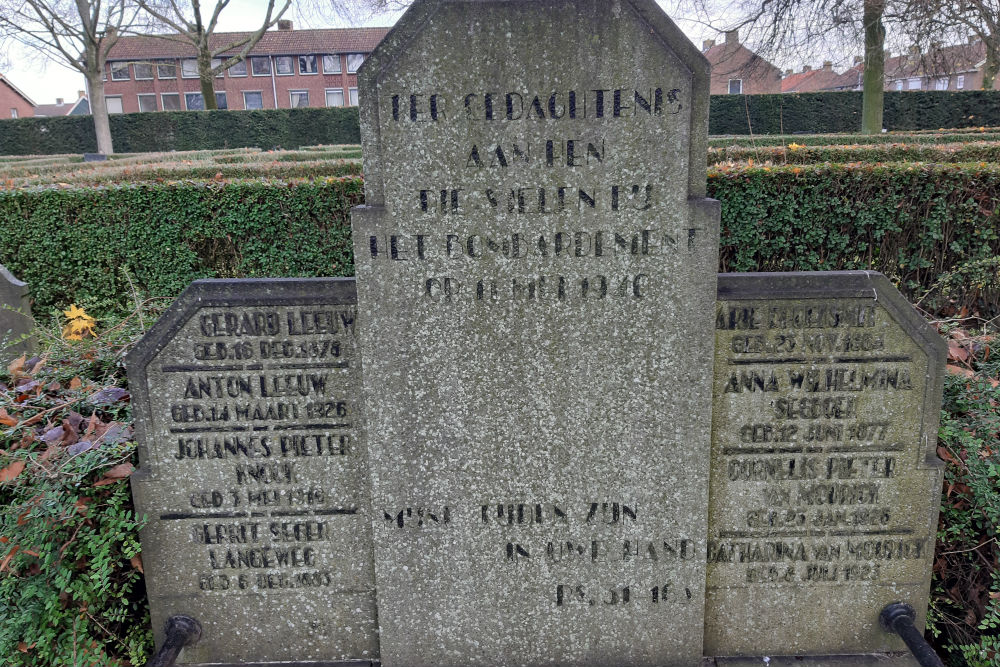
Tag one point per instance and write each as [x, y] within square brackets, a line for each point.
[825, 484]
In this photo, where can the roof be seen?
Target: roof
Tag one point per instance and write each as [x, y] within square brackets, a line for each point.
[955, 59]
[274, 42]
[4, 80]
[733, 58]
[810, 82]
[65, 109]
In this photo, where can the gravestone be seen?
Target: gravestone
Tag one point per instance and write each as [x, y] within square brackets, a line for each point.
[251, 472]
[825, 483]
[15, 317]
[536, 271]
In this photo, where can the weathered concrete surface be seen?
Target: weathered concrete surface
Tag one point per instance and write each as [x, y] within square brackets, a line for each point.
[825, 482]
[536, 275]
[252, 472]
[15, 317]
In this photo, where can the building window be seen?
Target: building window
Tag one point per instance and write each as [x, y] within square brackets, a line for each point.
[353, 92]
[899, 85]
[13, 112]
[307, 65]
[143, 71]
[220, 101]
[941, 84]
[147, 102]
[238, 69]
[960, 83]
[354, 61]
[166, 69]
[299, 98]
[736, 86]
[194, 101]
[260, 66]
[253, 99]
[284, 65]
[335, 97]
[914, 84]
[331, 65]
[119, 71]
[114, 104]
[170, 101]
[189, 68]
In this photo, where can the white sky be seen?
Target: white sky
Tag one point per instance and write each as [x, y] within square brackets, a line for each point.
[44, 80]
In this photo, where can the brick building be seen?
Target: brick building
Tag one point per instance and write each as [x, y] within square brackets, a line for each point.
[14, 103]
[736, 70]
[811, 80]
[956, 67]
[286, 69]
[79, 107]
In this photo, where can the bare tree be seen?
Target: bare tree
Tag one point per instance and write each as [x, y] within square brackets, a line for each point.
[806, 28]
[80, 33]
[191, 28]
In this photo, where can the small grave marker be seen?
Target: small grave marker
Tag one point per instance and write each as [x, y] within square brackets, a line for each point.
[252, 472]
[15, 317]
[825, 483]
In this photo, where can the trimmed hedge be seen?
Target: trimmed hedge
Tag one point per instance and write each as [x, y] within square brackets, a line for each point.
[184, 130]
[934, 228]
[924, 138]
[92, 246]
[841, 112]
[983, 151]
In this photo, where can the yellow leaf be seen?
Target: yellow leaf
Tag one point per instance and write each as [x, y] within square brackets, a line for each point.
[75, 313]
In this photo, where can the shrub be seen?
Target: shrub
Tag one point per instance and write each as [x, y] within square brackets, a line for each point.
[794, 153]
[184, 130]
[71, 590]
[928, 227]
[965, 610]
[841, 112]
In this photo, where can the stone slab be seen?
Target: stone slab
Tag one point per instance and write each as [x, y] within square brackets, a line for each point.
[252, 473]
[825, 483]
[536, 272]
[866, 660]
[15, 317]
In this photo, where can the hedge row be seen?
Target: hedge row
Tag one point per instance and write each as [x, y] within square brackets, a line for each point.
[984, 151]
[936, 137]
[841, 112]
[292, 128]
[928, 226]
[183, 130]
[92, 246]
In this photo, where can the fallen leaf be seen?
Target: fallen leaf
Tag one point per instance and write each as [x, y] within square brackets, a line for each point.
[11, 471]
[958, 370]
[80, 447]
[109, 395]
[17, 365]
[957, 352]
[6, 419]
[120, 471]
[137, 563]
[53, 435]
[75, 383]
[6, 561]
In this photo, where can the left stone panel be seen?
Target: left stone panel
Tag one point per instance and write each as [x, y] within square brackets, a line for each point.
[15, 317]
[252, 455]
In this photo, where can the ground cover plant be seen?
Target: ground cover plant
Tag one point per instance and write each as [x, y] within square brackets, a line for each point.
[71, 590]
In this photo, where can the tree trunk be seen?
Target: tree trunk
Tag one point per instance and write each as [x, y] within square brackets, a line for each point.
[991, 67]
[873, 89]
[99, 111]
[207, 80]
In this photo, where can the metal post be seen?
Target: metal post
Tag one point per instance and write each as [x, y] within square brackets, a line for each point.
[898, 617]
[181, 631]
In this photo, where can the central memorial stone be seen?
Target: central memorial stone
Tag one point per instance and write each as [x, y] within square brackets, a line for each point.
[536, 283]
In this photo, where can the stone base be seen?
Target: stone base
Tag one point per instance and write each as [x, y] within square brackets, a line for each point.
[866, 660]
